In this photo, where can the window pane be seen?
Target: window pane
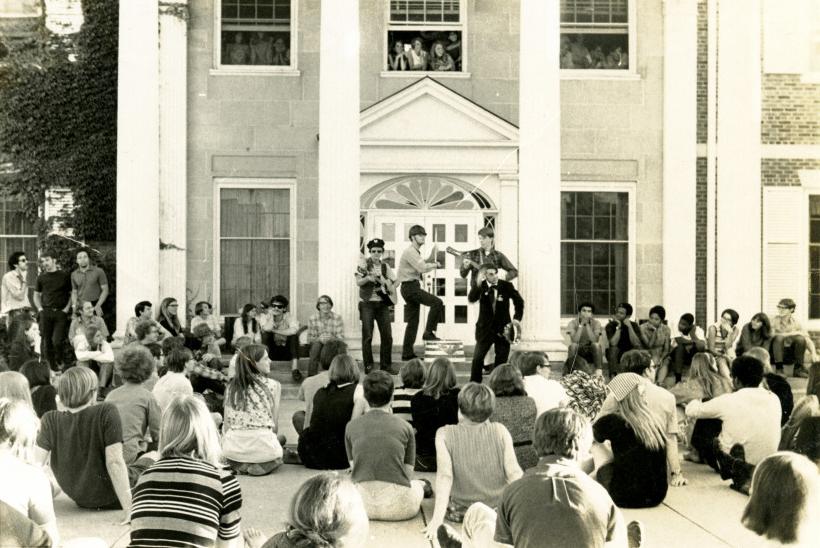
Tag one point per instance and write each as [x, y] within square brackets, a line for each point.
[439, 287]
[389, 232]
[255, 32]
[460, 313]
[461, 233]
[252, 270]
[255, 213]
[460, 289]
[428, 11]
[600, 275]
[401, 42]
[439, 234]
[441, 257]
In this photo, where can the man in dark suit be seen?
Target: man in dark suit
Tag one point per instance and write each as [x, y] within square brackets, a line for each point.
[494, 314]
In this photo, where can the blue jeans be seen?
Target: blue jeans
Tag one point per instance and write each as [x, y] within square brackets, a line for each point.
[378, 312]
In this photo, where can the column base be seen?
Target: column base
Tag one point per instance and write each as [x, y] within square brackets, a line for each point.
[555, 349]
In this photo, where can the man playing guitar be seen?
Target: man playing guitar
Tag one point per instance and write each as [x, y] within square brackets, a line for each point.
[472, 260]
[377, 295]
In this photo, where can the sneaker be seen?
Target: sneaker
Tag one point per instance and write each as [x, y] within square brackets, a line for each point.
[448, 537]
[297, 375]
[430, 336]
[634, 534]
[800, 372]
[428, 488]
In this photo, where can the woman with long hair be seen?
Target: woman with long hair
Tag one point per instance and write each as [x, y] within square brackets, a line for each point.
[14, 386]
[637, 476]
[322, 443]
[247, 326]
[168, 317]
[515, 411]
[43, 393]
[187, 497]
[252, 402]
[326, 512]
[24, 338]
[784, 500]
[758, 332]
[26, 487]
[436, 405]
[800, 434]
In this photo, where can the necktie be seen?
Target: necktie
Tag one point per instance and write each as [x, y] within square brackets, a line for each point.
[492, 295]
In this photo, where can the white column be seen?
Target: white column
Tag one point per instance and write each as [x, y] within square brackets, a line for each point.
[339, 160]
[506, 225]
[738, 157]
[679, 156]
[173, 74]
[539, 168]
[137, 158]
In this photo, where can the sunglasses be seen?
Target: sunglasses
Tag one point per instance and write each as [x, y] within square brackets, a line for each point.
[279, 306]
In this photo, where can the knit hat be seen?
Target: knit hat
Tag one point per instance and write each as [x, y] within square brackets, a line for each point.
[623, 384]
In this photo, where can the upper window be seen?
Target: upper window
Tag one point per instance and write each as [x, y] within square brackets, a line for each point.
[255, 34]
[595, 34]
[594, 250]
[17, 233]
[425, 35]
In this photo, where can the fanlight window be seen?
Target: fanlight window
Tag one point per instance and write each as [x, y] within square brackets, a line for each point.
[429, 193]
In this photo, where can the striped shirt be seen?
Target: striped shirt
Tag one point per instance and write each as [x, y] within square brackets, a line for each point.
[401, 403]
[184, 503]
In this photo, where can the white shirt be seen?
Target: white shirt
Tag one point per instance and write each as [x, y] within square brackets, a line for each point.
[660, 401]
[751, 417]
[81, 348]
[698, 332]
[548, 394]
[170, 386]
[26, 488]
[13, 292]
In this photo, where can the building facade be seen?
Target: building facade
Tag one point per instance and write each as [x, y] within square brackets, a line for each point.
[631, 150]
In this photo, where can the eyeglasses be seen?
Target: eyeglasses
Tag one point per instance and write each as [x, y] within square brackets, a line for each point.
[22, 260]
[377, 251]
[175, 304]
[279, 306]
[324, 302]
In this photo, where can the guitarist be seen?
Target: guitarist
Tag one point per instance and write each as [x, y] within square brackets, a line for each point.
[377, 295]
[487, 253]
[494, 296]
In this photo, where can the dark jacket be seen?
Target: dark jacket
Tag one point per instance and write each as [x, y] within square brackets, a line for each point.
[493, 321]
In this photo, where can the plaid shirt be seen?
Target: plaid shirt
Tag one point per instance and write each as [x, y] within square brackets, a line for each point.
[330, 325]
[196, 368]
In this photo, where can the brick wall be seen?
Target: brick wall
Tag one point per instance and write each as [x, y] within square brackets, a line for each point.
[791, 111]
[703, 79]
[783, 172]
[700, 245]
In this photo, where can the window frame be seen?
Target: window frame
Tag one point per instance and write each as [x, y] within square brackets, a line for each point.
[385, 48]
[612, 74]
[241, 183]
[810, 183]
[627, 188]
[33, 260]
[218, 68]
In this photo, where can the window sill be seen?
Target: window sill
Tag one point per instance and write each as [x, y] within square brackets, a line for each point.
[598, 74]
[254, 72]
[423, 73]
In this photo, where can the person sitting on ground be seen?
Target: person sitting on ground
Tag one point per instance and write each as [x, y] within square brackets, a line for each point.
[787, 332]
[138, 409]
[553, 505]
[758, 332]
[637, 476]
[146, 332]
[168, 317]
[174, 383]
[776, 383]
[142, 313]
[203, 314]
[436, 405]
[584, 335]
[14, 386]
[475, 459]
[547, 393]
[381, 449]
[187, 498]
[723, 335]
[24, 344]
[785, 496]
[207, 346]
[26, 487]
[586, 391]
[322, 443]
[515, 411]
[750, 415]
[689, 340]
[800, 434]
[311, 385]
[280, 333]
[327, 511]
[623, 335]
[82, 442]
[656, 334]
[92, 350]
[247, 326]
[85, 317]
[323, 326]
[708, 378]
[412, 375]
[249, 433]
[516, 357]
[156, 352]
[43, 394]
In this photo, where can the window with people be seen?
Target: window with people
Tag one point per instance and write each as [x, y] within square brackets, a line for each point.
[595, 35]
[425, 35]
[255, 33]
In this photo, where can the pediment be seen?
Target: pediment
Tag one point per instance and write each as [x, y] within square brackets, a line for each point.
[429, 112]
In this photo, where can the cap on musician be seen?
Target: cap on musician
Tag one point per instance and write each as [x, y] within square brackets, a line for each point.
[375, 243]
[417, 230]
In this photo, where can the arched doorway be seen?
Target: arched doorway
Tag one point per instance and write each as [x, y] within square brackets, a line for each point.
[452, 211]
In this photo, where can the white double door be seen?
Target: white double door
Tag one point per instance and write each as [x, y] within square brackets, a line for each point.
[456, 229]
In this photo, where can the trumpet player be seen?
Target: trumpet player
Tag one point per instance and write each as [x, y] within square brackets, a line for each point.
[494, 296]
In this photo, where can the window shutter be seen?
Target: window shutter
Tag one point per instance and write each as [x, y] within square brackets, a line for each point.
[783, 270]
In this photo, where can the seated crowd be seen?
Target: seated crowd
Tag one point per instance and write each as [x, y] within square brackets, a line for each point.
[524, 460]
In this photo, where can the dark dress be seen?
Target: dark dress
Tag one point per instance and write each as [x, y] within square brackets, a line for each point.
[322, 443]
[638, 473]
[430, 414]
[43, 397]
